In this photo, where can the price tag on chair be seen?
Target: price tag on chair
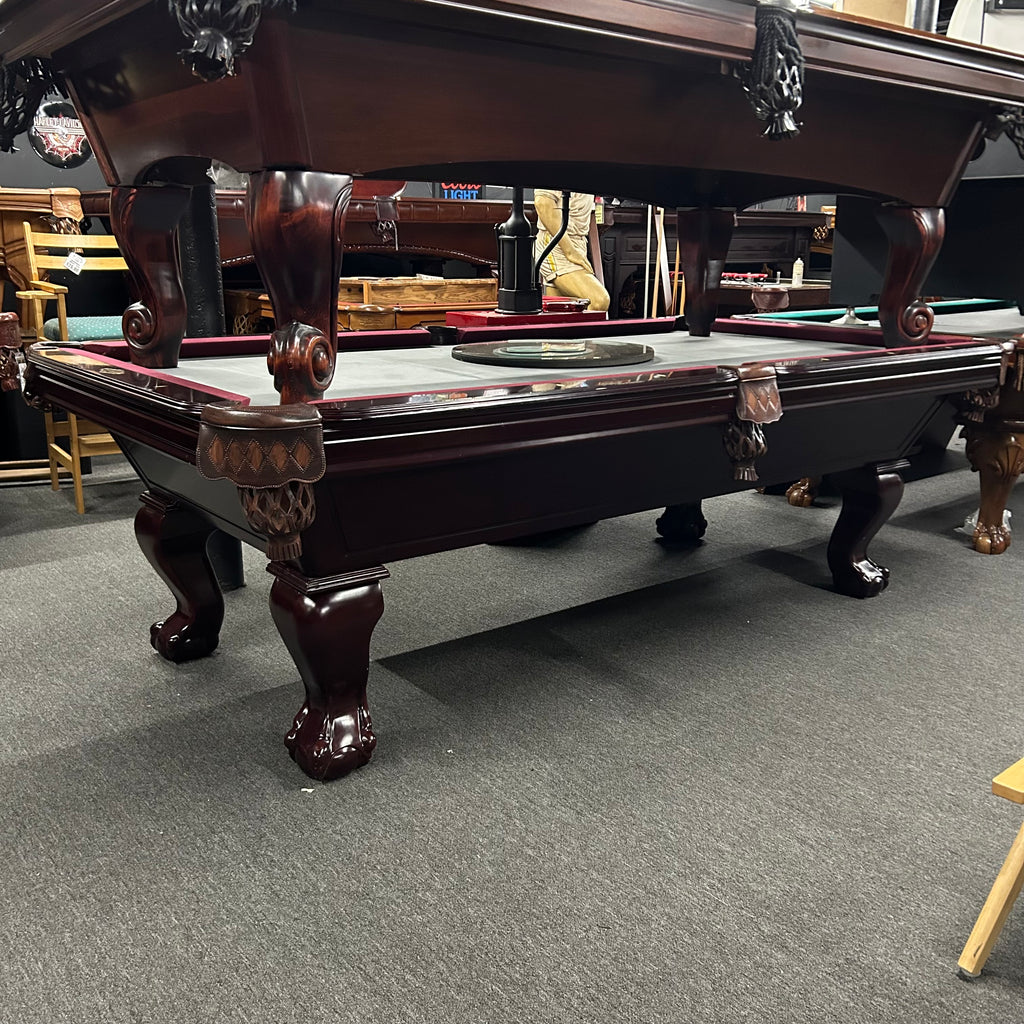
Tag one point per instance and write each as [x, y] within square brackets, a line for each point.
[75, 262]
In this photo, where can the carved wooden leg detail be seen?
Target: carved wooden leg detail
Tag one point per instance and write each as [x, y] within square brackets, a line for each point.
[682, 524]
[996, 453]
[326, 625]
[804, 491]
[296, 220]
[173, 539]
[10, 345]
[915, 237]
[704, 237]
[870, 496]
[144, 219]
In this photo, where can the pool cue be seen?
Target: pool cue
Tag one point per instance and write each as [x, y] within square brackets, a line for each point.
[666, 287]
[647, 264]
[659, 226]
[675, 282]
[595, 250]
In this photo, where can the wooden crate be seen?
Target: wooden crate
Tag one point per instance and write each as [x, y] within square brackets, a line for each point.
[367, 316]
[390, 303]
[895, 12]
[408, 291]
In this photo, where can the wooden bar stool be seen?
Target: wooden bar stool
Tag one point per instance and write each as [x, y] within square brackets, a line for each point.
[1005, 889]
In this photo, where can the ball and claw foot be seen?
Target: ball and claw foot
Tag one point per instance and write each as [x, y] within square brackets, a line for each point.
[991, 540]
[178, 640]
[682, 524]
[863, 578]
[803, 492]
[327, 746]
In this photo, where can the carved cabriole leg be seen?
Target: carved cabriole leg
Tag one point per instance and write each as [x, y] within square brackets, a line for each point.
[326, 624]
[296, 220]
[274, 455]
[682, 524]
[994, 428]
[996, 453]
[870, 496]
[704, 237]
[144, 219]
[915, 236]
[173, 539]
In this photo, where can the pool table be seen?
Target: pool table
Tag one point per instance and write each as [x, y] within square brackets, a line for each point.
[994, 432]
[353, 458]
[411, 451]
[882, 112]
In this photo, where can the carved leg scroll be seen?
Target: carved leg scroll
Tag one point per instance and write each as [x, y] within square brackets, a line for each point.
[870, 496]
[173, 539]
[296, 220]
[682, 524]
[704, 237]
[326, 625]
[996, 453]
[915, 237]
[144, 219]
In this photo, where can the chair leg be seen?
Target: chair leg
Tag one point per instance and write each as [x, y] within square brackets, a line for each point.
[1005, 891]
[76, 464]
[62, 316]
[51, 440]
[39, 316]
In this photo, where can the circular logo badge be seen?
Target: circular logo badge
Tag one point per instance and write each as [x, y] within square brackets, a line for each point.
[57, 135]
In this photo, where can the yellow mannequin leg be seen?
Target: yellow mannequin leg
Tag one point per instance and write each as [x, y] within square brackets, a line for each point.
[581, 285]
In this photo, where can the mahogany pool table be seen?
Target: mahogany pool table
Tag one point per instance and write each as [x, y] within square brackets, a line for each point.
[994, 433]
[412, 451]
[407, 453]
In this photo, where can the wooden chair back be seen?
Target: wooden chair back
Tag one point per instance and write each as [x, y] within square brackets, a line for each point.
[50, 251]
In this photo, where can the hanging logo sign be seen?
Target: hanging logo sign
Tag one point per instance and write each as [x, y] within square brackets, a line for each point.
[460, 190]
[57, 135]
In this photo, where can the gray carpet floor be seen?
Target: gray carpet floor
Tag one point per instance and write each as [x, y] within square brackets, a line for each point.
[615, 781]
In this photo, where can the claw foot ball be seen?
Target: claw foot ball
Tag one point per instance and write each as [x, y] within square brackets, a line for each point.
[803, 492]
[682, 524]
[996, 454]
[173, 539]
[326, 626]
[870, 496]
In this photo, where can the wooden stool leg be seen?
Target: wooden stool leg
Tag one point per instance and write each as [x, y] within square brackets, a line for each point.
[1005, 891]
[76, 464]
[51, 437]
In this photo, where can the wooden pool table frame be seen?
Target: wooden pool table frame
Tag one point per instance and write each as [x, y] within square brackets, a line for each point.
[332, 490]
[303, 99]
